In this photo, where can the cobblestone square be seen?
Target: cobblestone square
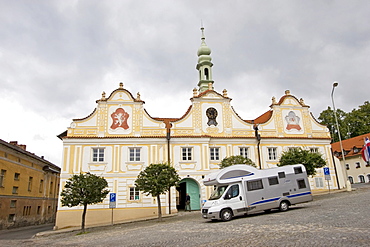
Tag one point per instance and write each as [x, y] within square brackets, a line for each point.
[336, 219]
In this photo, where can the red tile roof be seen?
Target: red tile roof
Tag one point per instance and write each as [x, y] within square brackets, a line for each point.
[351, 146]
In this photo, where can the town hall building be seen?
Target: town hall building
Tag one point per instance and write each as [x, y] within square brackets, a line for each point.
[120, 138]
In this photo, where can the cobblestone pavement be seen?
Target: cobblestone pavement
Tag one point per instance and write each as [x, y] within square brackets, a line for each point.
[336, 219]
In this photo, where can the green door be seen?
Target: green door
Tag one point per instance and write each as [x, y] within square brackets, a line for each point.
[192, 188]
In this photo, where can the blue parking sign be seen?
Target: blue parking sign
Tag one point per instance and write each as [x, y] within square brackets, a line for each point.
[112, 197]
[326, 171]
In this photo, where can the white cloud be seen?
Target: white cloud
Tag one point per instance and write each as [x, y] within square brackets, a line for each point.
[57, 57]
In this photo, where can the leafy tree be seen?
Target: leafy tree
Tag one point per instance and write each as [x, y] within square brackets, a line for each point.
[352, 124]
[327, 118]
[310, 160]
[84, 189]
[234, 160]
[358, 120]
[157, 179]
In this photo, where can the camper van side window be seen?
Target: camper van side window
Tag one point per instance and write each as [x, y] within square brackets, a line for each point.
[255, 185]
[232, 192]
[273, 180]
[298, 170]
[281, 174]
[301, 184]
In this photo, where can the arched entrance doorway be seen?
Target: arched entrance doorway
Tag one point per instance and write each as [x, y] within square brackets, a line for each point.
[190, 186]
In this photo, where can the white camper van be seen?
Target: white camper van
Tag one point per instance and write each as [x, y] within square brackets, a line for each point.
[243, 189]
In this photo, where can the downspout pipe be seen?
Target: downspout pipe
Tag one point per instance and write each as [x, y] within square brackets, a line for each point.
[168, 137]
[258, 137]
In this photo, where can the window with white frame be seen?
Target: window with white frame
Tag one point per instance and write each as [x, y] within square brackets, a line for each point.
[243, 152]
[187, 153]
[214, 153]
[134, 194]
[347, 166]
[319, 183]
[272, 155]
[134, 154]
[98, 155]
[314, 150]
[361, 178]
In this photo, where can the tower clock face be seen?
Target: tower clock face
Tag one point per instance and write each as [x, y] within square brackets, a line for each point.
[212, 115]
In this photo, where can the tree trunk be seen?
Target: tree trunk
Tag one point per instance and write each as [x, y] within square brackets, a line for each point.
[159, 208]
[83, 218]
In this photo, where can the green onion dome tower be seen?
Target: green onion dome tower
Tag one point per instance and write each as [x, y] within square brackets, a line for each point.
[204, 65]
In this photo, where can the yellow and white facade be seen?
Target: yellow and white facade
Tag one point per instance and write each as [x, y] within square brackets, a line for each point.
[119, 139]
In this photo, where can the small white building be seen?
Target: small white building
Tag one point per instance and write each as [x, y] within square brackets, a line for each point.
[357, 170]
[120, 138]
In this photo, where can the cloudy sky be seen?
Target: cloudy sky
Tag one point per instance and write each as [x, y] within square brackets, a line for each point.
[57, 57]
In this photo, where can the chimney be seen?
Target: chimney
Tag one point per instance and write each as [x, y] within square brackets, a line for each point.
[22, 146]
[15, 143]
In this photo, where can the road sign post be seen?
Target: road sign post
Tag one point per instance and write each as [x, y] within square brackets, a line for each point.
[112, 202]
[327, 176]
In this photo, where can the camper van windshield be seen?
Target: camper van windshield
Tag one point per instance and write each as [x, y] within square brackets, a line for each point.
[218, 192]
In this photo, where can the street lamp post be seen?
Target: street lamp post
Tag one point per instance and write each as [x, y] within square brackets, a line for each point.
[348, 183]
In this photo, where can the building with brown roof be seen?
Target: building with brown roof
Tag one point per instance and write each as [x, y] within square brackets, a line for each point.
[358, 170]
[29, 187]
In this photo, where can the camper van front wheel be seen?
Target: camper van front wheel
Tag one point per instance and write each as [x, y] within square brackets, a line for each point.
[226, 215]
[284, 206]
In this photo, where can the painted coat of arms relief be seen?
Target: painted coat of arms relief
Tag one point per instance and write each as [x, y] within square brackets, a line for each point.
[119, 119]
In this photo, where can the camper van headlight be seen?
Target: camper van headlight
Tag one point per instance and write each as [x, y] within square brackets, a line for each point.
[215, 203]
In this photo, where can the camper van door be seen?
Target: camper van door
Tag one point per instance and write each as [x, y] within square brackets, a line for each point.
[234, 197]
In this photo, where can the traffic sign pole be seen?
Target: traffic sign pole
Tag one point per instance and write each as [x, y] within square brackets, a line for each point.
[112, 202]
[327, 176]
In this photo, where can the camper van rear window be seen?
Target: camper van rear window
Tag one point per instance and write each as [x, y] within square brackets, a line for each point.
[255, 185]
[273, 180]
[301, 184]
[298, 170]
[281, 174]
